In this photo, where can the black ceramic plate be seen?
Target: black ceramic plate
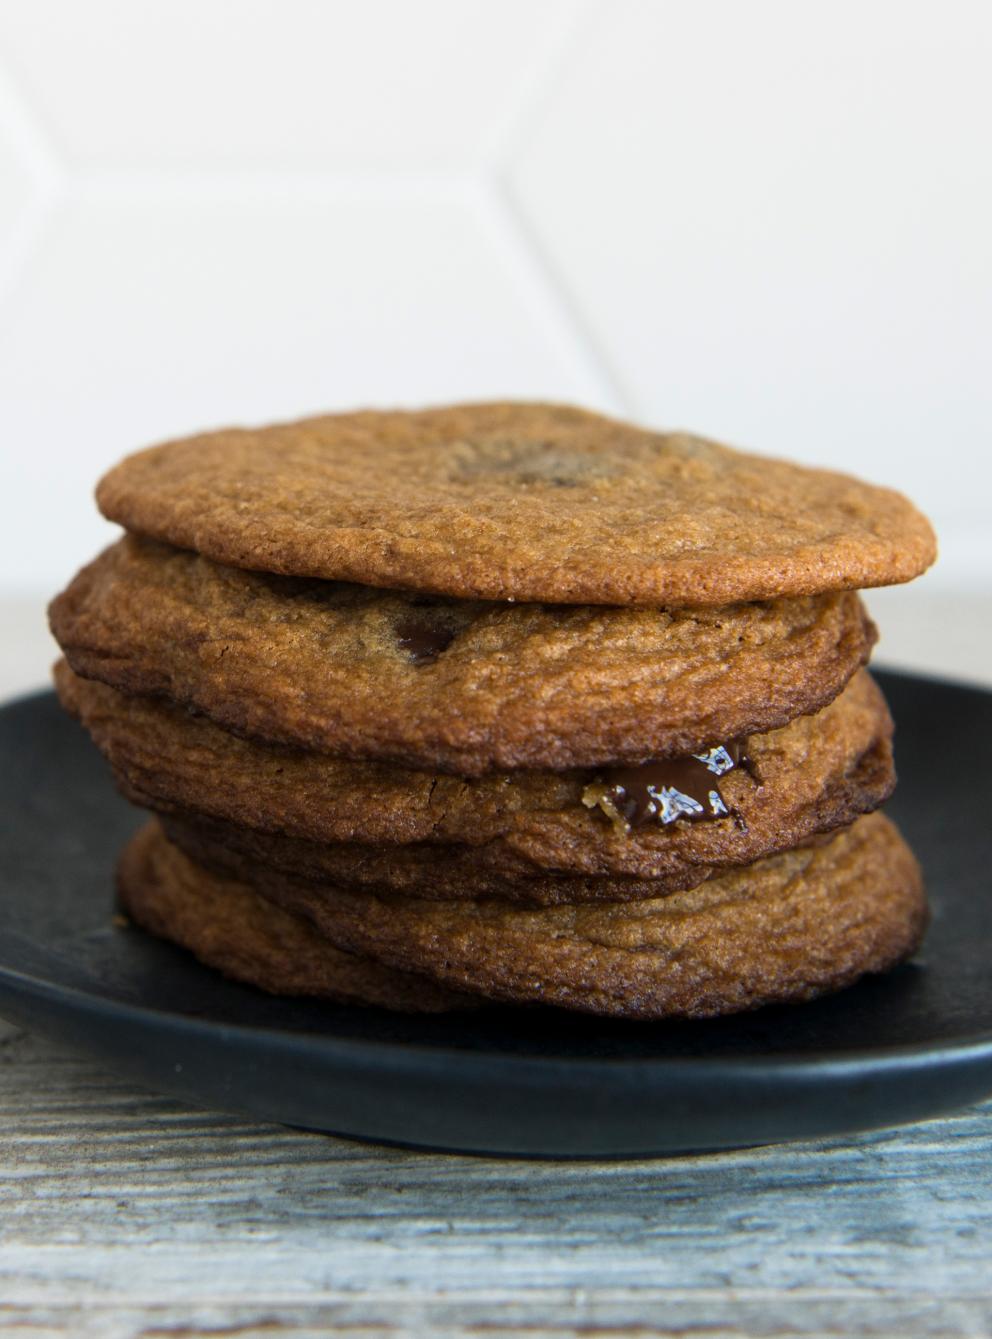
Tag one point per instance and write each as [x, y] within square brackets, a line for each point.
[898, 1048]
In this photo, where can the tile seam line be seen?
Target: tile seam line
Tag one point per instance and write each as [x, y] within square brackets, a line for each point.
[464, 189]
[541, 301]
[569, 22]
[34, 150]
[196, 186]
[562, 31]
[557, 292]
[27, 132]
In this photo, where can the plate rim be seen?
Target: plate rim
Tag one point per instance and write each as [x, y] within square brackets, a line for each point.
[898, 1057]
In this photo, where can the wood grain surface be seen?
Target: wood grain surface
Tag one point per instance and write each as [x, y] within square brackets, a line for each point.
[127, 1214]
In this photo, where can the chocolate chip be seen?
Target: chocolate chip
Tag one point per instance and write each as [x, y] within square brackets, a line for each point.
[668, 789]
[423, 642]
[533, 463]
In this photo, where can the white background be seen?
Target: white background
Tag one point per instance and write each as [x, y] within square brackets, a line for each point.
[765, 220]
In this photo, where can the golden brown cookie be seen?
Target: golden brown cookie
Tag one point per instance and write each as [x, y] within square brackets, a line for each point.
[815, 774]
[446, 872]
[228, 926]
[459, 686]
[790, 927]
[421, 870]
[530, 502]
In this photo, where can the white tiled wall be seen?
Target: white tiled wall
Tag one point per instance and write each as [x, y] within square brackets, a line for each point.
[769, 220]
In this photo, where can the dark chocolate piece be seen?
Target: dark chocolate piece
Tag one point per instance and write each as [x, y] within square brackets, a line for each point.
[668, 789]
[423, 642]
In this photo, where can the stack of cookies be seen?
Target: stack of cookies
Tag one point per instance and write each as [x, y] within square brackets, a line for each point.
[500, 702]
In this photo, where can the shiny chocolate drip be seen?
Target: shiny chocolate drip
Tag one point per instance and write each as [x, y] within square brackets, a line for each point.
[423, 642]
[668, 789]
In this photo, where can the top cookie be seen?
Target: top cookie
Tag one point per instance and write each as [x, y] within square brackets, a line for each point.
[527, 502]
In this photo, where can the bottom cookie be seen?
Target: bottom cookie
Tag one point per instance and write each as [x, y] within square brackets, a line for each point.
[788, 928]
[227, 925]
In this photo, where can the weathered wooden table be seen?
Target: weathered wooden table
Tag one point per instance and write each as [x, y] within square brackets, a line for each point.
[123, 1213]
[127, 1214]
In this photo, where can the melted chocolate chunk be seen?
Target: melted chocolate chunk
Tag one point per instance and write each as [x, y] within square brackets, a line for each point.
[668, 789]
[423, 642]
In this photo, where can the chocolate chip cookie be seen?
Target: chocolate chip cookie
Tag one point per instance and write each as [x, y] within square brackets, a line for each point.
[460, 686]
[493, 834]
[229, 926]
[534, 502]
[787, 928]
